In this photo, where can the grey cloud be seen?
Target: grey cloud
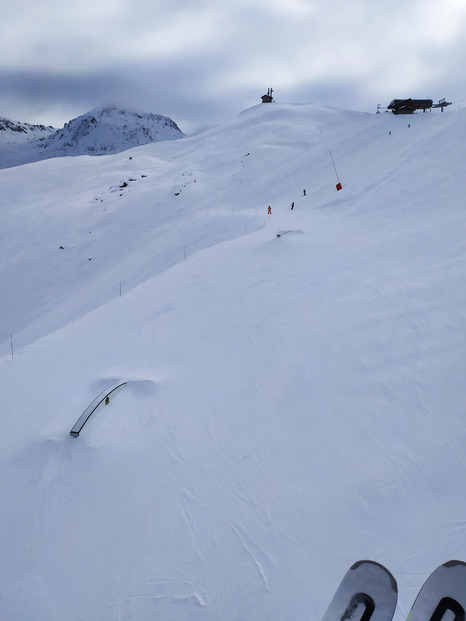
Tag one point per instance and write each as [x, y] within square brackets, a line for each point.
[183, 91]
[202, 61]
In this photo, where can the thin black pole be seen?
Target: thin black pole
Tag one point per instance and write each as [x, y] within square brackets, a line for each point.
[333, 162]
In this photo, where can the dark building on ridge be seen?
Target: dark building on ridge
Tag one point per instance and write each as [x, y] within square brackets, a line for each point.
[268, 98]
[408, 106]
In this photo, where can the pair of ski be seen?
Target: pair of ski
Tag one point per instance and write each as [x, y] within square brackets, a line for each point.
[369, 591]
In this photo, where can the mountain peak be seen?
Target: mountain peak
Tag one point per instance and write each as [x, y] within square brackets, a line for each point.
[101, 131]
[110, 130]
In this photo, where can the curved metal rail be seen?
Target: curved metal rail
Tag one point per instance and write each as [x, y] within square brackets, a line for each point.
[104, 397]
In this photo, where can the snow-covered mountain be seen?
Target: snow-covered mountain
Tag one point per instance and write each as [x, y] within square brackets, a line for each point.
[19, 141]
[292, 404]
[101, 131]
[109, 130]
[14, 130]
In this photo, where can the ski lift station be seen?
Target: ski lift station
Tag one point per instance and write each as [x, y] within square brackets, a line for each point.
[408, 106]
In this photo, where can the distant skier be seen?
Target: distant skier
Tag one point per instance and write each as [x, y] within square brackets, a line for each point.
[304, 192]
[292, 206]
[269, 210]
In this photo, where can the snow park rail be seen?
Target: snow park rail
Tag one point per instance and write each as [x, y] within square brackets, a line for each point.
[297, 231]
[103, 397]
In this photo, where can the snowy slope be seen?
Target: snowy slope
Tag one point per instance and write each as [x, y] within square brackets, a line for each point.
[293, 404]
[99, 132]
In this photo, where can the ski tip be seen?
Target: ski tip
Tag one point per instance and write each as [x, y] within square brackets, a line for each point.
[453, 563]
[393, 582]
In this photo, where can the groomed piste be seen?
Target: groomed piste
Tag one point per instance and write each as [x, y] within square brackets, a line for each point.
[292, 405]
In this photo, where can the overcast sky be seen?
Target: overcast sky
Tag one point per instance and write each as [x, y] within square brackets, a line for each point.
[202, 62]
